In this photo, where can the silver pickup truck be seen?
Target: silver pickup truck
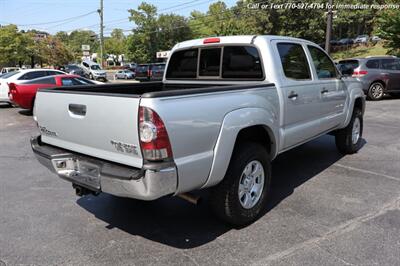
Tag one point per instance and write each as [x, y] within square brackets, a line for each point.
[227, 106]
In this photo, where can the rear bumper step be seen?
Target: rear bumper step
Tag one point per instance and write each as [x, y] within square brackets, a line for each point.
[149, 183]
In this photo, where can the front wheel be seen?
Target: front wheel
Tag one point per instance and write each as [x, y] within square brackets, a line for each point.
[242, 194]
[348, 140]
[91, 76]
[376, 91]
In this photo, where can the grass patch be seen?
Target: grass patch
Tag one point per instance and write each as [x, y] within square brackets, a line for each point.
[360, 51]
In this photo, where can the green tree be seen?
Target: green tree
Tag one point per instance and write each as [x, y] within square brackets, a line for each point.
[154, 33]
[116, 44]
[389, 29]
[13, 45]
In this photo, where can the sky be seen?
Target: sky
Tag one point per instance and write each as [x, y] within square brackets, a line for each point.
[70, 15]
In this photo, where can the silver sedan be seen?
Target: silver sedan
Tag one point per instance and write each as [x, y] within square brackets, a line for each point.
[124, 74]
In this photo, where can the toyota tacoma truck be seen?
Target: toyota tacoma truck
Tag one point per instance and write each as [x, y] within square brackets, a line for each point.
[226, 107]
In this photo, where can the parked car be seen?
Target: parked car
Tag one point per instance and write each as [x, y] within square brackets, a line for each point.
[24, 94]
[377, 74]
[5, 70]
[74, 70]
[157, 72]
[375, 39]
[361, 39]
[346, 41]
[131, 66]
[21, 76]
[227, 106]
[143, 72]
[124, 74]
[94, 71]
[334, 43]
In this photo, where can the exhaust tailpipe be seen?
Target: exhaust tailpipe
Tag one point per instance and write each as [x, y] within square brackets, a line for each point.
[190, 198]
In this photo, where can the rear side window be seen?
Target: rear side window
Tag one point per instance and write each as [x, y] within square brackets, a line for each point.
[45, 80]
[210, 60]
[374, 63]
[294, 61]
[391, 64]
[74, 81]
[241, 62]
[323, 64]
[183, 64]
[33, 75]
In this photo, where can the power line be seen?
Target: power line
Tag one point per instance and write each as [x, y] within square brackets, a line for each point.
[55, 21]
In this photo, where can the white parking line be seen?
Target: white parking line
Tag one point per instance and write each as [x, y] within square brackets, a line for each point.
[367, 171]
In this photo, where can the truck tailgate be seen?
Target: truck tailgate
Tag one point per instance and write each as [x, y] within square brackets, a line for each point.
[101, 126]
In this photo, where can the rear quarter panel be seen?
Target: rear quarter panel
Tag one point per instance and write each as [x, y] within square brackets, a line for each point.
[194, 123]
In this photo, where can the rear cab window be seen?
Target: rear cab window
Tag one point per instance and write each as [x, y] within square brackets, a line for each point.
[229, 62]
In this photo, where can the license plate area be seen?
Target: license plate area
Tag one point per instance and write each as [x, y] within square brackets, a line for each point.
[78, 171]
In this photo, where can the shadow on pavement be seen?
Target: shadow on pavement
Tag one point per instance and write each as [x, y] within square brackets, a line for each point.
[25, 112]
[174, 222]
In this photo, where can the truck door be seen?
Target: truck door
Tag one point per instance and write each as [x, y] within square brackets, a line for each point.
[332, 88]
[300, 95]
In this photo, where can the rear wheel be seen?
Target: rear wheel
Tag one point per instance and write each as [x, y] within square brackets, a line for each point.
[32, 106]
[348, 140]
[376, 91]
[242, 194]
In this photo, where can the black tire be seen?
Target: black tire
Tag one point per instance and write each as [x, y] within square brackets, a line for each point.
[224, 198]
[344, 137]
[33, 105]
[91, 76]
[395, 94]
[376, 91]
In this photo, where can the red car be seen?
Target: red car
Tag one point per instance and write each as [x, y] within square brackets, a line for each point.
[23, 94]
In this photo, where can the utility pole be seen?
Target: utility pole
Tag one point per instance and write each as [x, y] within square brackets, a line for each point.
[101, 11]
[328, 37]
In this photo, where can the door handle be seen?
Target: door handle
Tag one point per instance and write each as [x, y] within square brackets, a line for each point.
[77, 109]
[324, 91]
[293, 95]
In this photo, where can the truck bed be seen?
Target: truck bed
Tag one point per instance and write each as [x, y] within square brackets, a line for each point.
[151, 89]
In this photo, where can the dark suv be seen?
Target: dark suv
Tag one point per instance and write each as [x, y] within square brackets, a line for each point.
[153, 72]
[378, 74]
[143, 72]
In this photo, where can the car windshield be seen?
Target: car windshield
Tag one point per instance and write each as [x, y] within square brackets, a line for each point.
[95, 67]
[157, 67]
[73, 67]
[9, 74]
[142, 68]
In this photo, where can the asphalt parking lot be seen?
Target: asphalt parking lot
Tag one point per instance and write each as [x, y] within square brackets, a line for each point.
[325, 209]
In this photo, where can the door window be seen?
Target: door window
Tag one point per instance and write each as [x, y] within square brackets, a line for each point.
[323, 64]
[294, 61]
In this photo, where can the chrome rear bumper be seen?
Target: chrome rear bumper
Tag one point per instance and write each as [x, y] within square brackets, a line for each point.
[151, 182]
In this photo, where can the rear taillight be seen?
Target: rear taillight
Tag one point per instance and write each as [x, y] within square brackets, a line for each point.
[154, 139]
[12, 88]
[149, 73]
[359, 73]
